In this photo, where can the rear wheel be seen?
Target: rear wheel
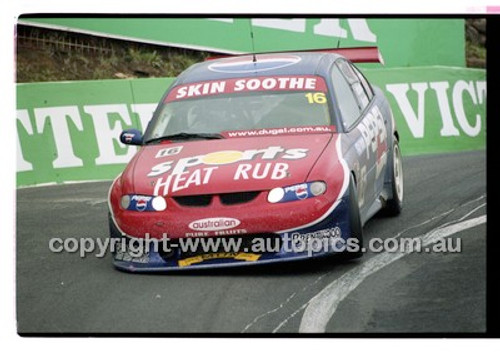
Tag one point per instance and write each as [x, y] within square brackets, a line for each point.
[395, 204]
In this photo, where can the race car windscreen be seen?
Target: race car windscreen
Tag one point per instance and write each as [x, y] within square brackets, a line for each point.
[214, 107]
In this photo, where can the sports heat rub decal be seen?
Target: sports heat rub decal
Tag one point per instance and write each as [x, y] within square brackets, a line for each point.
[254, 84]
[198, 170]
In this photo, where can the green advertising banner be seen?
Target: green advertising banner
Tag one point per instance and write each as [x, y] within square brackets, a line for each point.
[437, 109]
[69, 131]
[403, 42]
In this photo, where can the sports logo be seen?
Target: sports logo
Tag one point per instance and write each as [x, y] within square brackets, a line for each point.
[246, 64]
[225, 157]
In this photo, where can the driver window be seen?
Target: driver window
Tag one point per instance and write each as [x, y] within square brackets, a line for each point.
[347, 103]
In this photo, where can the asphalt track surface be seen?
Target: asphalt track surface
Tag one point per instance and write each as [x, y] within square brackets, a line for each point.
[379, 293]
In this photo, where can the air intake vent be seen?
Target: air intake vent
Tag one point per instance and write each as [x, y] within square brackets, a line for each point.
[226, 199]
[238, 198]
[194, 200]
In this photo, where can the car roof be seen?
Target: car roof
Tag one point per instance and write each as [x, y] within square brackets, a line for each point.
[272, 64]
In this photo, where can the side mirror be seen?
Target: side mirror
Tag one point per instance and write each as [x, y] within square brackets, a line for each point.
[131, 137]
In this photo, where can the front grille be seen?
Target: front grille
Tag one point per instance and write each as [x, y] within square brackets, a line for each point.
[194, 200]
[238, 198]
[225, 198]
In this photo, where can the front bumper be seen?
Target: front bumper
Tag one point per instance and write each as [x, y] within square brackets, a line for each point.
[325, 237]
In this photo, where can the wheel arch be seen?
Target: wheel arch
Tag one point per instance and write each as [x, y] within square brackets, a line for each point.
[396, 135]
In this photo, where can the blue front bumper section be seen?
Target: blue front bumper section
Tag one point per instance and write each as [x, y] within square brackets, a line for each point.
[333, 231]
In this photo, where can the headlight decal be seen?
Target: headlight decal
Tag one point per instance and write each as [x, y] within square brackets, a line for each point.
[144, 203]
[297, 192]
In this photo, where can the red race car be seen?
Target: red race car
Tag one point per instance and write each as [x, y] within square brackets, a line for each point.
[258, 158]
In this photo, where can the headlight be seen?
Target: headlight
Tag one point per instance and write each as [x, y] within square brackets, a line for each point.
[317, 188]
[125, 201]
[296, 192]
[275, 195]
[141, 203]
[159, 203]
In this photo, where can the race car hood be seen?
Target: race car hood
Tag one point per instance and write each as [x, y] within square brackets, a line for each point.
[223, 165]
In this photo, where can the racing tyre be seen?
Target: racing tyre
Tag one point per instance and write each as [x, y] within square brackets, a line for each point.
[113, 231]
[395, 204]
[354, 220]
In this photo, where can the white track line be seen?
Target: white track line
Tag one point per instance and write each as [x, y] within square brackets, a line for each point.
[321, 307]
[258, 318]
[282, 305]
[293, 314]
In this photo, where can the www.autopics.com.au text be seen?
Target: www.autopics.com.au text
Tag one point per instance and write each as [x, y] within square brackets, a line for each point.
[293, 242]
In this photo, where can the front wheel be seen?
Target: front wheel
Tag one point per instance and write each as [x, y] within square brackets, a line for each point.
[395, 204]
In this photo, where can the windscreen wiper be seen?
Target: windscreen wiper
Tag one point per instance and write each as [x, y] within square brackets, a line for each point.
[186, 136]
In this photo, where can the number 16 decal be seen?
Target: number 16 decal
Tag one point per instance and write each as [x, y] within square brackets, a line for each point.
[317, 97]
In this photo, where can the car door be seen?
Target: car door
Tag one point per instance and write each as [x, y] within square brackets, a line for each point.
[379, 137]
[355, 104]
